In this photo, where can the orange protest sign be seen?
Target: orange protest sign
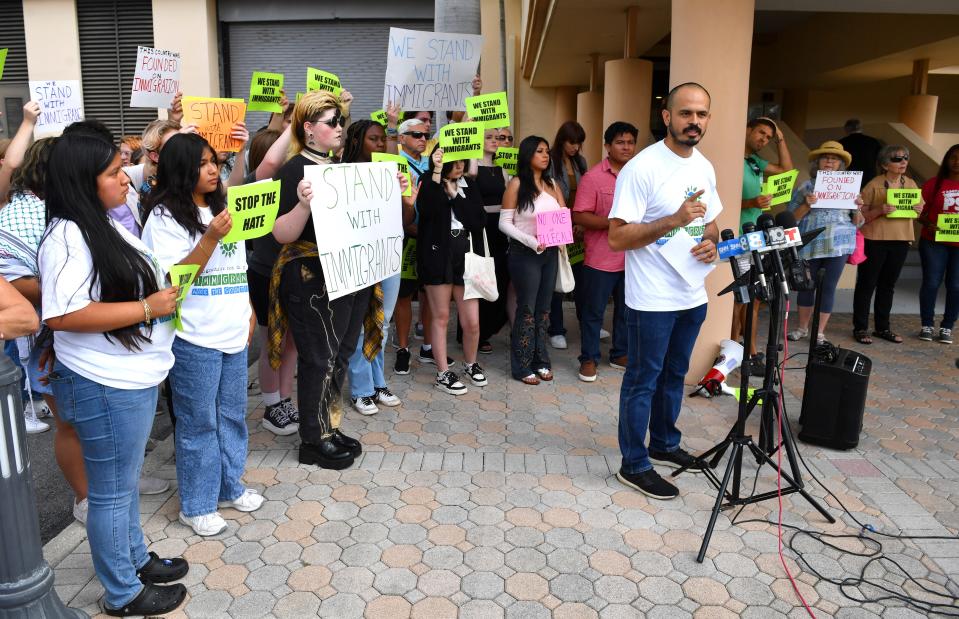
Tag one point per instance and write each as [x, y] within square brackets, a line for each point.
[214, 120]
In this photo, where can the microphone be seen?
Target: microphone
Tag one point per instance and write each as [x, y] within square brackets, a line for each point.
[777, 238]
[733, 249]
[797, 267]
[757, 242]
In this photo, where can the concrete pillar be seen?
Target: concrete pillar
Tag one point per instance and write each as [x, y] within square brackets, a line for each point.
[589, 114]
[718, 57]
[565, 104]
[197, 44]
[628, 94]
[53, 44]
[795, 109]
[918, 112]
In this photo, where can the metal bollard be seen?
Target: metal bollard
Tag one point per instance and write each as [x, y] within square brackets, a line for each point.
[26, 581]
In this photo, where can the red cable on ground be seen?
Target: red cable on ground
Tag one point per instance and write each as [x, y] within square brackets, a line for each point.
[779, 460]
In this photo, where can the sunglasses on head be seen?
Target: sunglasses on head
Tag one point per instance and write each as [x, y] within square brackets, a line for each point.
[899, 158]
[332, 123]
[417, 135]
[504, 138]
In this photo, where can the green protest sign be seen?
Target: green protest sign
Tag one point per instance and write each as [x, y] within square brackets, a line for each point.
[379, 116]
[3, 60]
[780, 187]
[948, 228]
[402, 163]
[462, 141]
[576, 252]
[253, 208]
[491, 110]
[322, 80]
[265, 92]
[903, 200]
[182, 275]
[408, 268]
[507, 158]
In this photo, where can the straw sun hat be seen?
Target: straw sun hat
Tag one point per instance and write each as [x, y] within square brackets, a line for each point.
[831, 147]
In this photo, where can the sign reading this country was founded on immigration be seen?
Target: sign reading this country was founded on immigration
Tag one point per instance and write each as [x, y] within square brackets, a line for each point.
[461, 141]
[430, 70]
[156, 78]
[61, 103]
[837, 189]
[253, 208]
[357, 216]
[265, 93]
[214, 120]
[492, 110]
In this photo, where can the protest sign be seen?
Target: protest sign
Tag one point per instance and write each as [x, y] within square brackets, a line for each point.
[408, 270]
[507, 158]
[461, 141]
[322, 80]
[358, 219]
[491, 110]
[156, 78]
[61, 103]
[837, 189]
[430, 70]
[265, 92]
[554, 227]
[903, 200]
[780, 187]
[402, 163]
[576, 252]
[380, 116]
[214, 120]
[3, 60]
[253, 208]
[182, 275]
[948, 228]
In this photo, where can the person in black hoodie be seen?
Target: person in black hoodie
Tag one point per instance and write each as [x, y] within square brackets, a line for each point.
[451, 212]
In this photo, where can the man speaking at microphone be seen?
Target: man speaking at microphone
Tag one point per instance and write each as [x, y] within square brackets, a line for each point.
[668, 186]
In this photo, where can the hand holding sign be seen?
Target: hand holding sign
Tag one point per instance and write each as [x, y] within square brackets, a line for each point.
[266, 92]
[215, 120]
[182, 276]
[554, 227]
[164, 302]
[156, 78]
[61, 103]
[780, 187]
[254, 208]
[837, 189]
[903, 203]
[220, 226]
[402, 163]
[462, 141]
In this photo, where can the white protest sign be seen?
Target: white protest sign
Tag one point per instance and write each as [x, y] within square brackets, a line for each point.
[61, 103]
[837, 189]
[430, 70]
[156, 78]
[357, 216]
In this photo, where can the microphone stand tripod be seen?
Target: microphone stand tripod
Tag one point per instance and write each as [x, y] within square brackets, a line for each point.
[739, 441]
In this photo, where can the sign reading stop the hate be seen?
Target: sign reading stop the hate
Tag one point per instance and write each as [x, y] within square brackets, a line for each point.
[554, 227]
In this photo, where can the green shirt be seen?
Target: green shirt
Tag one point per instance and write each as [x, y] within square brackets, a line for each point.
[753, 167]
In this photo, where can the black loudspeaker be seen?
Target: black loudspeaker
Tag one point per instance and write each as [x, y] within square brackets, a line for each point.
[834, 398]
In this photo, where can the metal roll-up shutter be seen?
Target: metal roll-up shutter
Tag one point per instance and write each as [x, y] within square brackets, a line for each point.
[13, 87]
[110, 31]
[355, 50]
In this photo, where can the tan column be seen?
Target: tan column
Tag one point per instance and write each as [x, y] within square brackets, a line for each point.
[589, 114]
[795, 109]
[918, 112]
[718, 57]
[53, 40]
[197, 43]
[565, 104]
[627, 94]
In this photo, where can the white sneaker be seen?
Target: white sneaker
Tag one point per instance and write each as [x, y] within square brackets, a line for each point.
[34, 425]
[386, 397]
[153, 485]
[558, 342]
[80, 511]
[366, 405]
[249, 501]
[604, 334]
[43, 411]
[205, 524]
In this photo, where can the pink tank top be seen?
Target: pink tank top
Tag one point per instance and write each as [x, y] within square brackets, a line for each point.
[525, 220]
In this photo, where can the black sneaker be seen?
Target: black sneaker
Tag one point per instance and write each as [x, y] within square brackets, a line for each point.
[649, 483]
[152, 600]
[277, 420]
[476, 374]
[402, 363]
[757, 365]
[291, 410]
[426, 356]
[450, 383]
[676, 459]
[158, 571]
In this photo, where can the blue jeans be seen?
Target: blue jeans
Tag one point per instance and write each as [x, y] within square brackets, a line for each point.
[834, 268]
[660, 344]
[209, 396]
[366, 376]
[597, 287]
[113, 426]
[938, 261]
[534, 277]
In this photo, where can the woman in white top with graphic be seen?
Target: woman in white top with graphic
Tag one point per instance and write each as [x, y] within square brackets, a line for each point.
[186, 224]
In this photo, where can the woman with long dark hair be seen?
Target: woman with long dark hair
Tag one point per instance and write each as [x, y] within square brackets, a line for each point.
[186, 222]
[103, 296]
[940, 259]
[532, 266]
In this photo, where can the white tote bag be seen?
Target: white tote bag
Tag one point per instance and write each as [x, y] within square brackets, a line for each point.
[479, 274]
[564, 275]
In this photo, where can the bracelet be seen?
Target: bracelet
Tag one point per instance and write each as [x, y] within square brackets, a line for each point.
[391, 132]
[147, 311]
[209, 254]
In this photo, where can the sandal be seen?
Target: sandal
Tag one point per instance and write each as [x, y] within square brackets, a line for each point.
[545, 374]
[532, 379]
[889, 336]
[862, 337]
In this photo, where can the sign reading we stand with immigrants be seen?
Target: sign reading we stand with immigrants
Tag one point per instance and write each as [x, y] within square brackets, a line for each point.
[430, 70]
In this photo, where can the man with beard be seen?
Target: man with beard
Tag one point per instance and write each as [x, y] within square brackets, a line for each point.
[668, 186]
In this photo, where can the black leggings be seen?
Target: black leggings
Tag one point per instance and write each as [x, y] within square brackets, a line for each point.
[878, 274]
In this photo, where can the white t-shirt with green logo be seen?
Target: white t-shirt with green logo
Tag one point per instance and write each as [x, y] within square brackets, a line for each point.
[651, 186]
[216, 312]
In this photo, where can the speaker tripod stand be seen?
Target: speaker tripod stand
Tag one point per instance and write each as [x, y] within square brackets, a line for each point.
[737, 442]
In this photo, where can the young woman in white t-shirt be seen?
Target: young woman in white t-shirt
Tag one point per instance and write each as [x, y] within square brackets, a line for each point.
[104, 296]
[186, 223]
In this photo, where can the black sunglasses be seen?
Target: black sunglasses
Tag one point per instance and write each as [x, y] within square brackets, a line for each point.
[417, 135]
[333, 122]
[899, 159]
[504, 138]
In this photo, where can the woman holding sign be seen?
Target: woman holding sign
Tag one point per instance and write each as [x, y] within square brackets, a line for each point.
[186, 222]
[940, 257]
[532, 266]
[101, 295]
[888, 232]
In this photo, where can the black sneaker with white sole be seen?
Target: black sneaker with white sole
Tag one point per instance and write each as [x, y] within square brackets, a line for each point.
[476, 374]
[649, 483]
[426, 356]
[277, 419]
[402, 363]
[450, 383]
[676, 459]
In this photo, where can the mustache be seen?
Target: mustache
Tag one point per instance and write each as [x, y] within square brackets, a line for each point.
[695, 128]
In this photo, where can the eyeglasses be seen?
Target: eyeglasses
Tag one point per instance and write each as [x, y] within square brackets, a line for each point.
[899, 159]
[333, 122]
[417, 135]
[504, 138]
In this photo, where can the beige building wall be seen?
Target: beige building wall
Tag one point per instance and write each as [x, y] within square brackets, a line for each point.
[190, 28]
[53, 39]
[491, 68]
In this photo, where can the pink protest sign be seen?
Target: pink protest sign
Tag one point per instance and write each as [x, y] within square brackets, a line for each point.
[554, 227]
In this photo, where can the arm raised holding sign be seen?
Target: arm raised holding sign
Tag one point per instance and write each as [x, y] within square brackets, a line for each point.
[17, 148]
[238, 174]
